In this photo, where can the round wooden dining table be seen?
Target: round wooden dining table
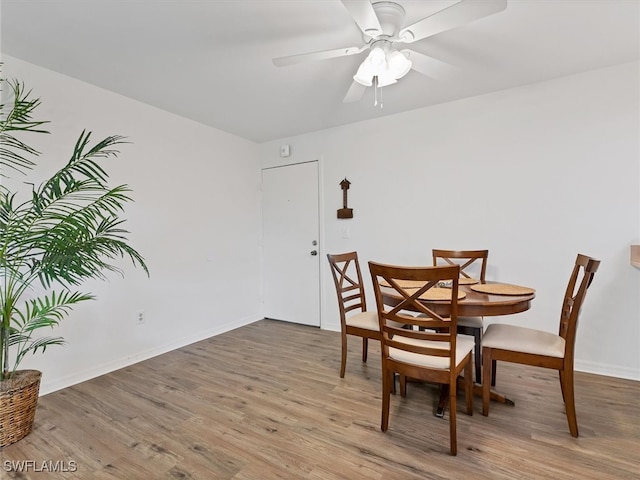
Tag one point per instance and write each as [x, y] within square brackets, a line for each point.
[474, 304]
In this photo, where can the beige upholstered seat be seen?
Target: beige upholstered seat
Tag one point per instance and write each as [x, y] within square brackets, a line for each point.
[525, 340]
[464, 345]
[366, 320]
[430, 350]
[511, 343]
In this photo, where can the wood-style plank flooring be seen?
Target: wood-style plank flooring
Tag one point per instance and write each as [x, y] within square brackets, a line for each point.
[265, 401]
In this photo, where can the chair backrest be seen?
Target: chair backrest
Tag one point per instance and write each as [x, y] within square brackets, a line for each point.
[580, 280]
[464, 258]
[398, 289]
[348, 281]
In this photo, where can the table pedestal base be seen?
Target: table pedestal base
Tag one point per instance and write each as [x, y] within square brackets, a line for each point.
[477, 391]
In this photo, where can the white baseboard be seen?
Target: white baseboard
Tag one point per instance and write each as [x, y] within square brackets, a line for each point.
[97, 370]
[607, 370]
[332, 327]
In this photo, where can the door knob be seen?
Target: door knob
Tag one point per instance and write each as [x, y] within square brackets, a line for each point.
[314, 252]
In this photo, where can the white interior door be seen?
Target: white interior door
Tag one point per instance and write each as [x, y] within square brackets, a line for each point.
[290, 229]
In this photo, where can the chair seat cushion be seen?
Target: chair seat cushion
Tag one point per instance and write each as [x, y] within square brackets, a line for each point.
[464, 344]
[473, 322]
[522, 339]
[367, 320]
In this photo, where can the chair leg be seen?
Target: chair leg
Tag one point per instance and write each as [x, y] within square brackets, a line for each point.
[564, 399]
[477, 352]
[477, 335]
[493, 373]
[487, 364]
[566, 381]
[343, 361]
[387, 377]
[452, 417]
[403, 385]
[468, 388]
[365, 348]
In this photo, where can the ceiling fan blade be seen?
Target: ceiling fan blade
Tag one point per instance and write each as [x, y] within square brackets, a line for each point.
[364, 16]
[456, 15]
[355, 92]
[305, 57]
[429, 66]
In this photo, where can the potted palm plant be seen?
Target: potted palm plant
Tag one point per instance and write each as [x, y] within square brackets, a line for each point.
[53, 237]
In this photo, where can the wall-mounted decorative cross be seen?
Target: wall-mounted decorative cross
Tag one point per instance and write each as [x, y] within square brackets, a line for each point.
[345, 212]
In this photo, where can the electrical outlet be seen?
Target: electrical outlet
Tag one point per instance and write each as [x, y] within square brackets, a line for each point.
[140, 317]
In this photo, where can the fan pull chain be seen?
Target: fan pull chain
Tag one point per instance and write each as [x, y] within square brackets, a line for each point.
[376, 89]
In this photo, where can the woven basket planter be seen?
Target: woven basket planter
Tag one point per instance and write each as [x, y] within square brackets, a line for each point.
[18, 401]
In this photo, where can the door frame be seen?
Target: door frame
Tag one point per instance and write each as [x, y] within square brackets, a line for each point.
[321, 232]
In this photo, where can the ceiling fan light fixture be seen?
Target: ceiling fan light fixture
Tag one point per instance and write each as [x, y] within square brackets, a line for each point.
[387, 66]
[377, 59]
[386, 78]
[364, 75]
[398, 63]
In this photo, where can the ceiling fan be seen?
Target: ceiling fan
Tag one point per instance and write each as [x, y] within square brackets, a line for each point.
[382, 32]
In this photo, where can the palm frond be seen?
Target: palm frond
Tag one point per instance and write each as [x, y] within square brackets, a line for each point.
[17, 117]
[83, 164]
[38, 344]
[48, 310]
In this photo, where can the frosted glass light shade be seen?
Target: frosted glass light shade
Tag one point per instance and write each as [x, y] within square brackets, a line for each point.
[364, 75]
[386, 78]
[399, 65]
[377, 57]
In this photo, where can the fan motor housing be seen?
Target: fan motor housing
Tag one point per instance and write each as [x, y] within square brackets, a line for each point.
[391, 16]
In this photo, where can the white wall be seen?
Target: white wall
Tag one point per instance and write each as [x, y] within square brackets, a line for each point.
[195, 219]
[536, 174]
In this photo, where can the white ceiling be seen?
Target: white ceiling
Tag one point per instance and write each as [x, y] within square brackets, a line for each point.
[210, 61]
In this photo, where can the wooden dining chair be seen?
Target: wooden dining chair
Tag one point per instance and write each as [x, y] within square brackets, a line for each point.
[434, 352]
[476, 261]
[511, 343]
[354, 317]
